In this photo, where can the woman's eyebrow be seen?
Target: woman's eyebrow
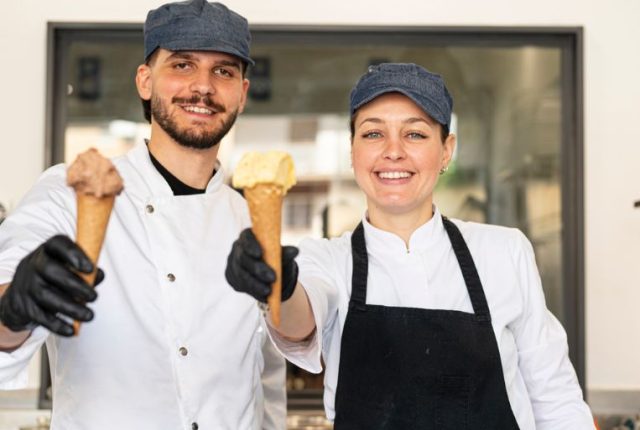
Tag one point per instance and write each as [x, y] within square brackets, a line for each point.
[371, 119]
[413, 120]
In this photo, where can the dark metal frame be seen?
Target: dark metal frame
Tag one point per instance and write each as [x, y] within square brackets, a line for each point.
[569, 39]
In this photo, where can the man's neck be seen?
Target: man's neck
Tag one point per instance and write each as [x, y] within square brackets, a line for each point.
[194, 167]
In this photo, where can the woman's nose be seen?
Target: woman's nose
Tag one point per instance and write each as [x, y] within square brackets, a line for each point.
[394, 149]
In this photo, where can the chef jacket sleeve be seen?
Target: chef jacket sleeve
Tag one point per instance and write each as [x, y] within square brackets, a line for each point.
[274, 389]
[317, 268]
[45, 211]
[14, 365]
[556, 396]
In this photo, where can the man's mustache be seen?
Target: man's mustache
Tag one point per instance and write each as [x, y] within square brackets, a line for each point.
[195, 99]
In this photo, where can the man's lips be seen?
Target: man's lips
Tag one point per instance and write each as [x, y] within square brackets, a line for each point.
[202, 110]
[200, 105]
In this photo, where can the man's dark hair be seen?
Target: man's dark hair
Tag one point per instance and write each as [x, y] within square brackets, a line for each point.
[146, 104]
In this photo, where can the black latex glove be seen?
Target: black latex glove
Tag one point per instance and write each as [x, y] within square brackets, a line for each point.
[248, 273]
[45, 287]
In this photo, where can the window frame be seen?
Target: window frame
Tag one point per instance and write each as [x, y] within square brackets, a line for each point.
[569, 39]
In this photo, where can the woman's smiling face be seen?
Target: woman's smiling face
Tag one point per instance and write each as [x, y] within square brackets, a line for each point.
[397, 153]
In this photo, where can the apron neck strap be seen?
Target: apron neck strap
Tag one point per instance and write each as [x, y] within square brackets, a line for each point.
[360, 268]
[469, 271]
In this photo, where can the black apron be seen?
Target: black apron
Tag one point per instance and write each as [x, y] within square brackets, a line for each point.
[414, 369]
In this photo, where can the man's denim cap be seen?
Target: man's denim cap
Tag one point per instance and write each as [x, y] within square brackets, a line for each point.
[426, 89]
[197, 25]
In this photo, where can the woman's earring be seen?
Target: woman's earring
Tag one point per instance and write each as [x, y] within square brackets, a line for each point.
[444, 169]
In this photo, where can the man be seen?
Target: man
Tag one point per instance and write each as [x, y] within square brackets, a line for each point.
[168, 345]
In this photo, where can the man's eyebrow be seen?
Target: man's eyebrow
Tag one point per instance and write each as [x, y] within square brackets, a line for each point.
[189, 56]
[182, 55]
[229, 63]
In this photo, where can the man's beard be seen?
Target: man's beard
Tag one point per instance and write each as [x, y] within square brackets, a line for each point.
[189, 137]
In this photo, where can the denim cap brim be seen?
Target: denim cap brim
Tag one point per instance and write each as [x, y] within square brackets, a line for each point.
[202, 45]
[197, 25]
[425, 89]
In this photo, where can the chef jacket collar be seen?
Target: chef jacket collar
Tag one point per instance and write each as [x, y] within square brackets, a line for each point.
[139, 156]
[422, 239]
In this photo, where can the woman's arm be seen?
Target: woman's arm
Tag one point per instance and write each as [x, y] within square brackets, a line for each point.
[543, 354]
[296, 317]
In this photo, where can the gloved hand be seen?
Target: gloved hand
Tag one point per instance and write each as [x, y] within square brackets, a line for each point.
[247, 272]
[45, 287]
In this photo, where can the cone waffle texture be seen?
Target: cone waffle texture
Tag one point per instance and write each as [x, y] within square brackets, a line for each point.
[93, 217]
[265, 208]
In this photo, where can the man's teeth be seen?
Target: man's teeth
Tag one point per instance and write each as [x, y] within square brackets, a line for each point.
[393, 175]
[197, 109]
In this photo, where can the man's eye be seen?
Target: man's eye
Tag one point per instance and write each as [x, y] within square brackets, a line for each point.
[224, 72]
[181, 66]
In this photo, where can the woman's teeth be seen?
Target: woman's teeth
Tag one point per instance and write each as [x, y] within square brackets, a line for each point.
[393, 175]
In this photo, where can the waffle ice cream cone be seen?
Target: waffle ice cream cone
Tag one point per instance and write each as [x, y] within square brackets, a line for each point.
[266, 178]
[92, 220]
[265, 208]
[96, 183]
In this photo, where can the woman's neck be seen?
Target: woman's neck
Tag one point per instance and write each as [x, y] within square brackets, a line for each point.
[401, 224]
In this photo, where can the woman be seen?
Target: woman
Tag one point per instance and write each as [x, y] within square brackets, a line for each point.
[423, 322]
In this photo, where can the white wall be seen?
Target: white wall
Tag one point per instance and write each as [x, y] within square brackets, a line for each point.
[612, 147]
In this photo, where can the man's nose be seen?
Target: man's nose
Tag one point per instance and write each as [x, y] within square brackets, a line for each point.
[202, 83]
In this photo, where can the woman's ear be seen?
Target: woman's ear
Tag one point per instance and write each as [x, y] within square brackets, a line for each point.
[449, 148]
[143, 81]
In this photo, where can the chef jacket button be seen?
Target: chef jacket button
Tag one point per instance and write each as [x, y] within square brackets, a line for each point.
[183, 351]
[194, 426]
[149, 209]
[171, 277]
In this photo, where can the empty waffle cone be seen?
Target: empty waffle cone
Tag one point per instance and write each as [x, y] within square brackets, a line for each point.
[265, 208]
[93, 217]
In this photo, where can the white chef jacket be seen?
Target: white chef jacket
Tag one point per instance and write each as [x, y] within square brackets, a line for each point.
[171, 344]
[541, 383]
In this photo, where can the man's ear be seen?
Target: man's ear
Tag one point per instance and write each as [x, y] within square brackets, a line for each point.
[245, 91]
[143, 81]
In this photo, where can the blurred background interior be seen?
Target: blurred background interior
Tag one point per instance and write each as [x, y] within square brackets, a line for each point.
[517, 114]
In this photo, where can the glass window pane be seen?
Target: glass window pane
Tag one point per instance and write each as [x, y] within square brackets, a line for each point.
[507, 117]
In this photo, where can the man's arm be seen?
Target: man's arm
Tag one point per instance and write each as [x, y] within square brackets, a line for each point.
[10, 340]
[47, 290]
[274, 391]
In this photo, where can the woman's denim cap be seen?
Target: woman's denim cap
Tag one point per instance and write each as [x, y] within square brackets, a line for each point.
[426, 89]
[197, 25]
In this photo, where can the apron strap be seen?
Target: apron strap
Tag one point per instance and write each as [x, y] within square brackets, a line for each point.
[469, 272]
[360, 269]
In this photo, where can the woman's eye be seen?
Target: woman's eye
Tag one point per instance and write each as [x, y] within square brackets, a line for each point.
[372, 135]
[416, 135]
